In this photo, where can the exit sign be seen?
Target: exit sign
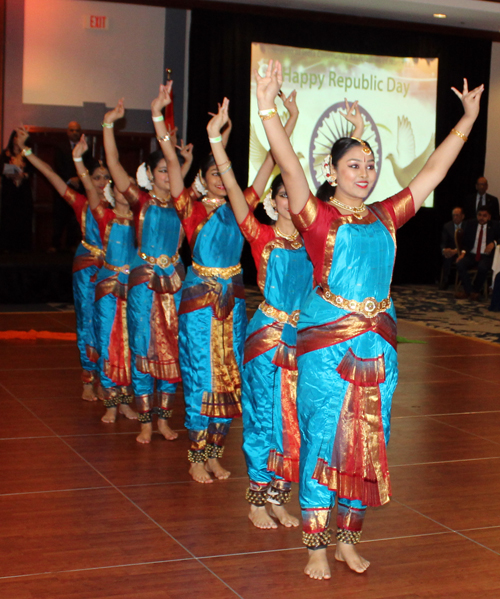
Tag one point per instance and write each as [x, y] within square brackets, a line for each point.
[96, 22]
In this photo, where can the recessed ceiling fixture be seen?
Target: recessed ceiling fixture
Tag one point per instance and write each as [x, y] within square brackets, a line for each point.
[439, 15]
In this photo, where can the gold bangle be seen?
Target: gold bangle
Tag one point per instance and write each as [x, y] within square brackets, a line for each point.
[226, 170]
[219, 166]
[164, 138]
[460, 134]
[268, 113]
[84, 174]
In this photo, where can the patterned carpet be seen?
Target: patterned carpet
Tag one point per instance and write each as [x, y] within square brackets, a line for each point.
[425, 304]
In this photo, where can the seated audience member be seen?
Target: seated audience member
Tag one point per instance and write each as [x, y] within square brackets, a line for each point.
[451, 241]
[481, 198]
[478, 244]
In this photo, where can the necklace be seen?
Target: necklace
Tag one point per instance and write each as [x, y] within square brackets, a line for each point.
[163, 201]
[216, 202]
[357, 211]
[292, 237]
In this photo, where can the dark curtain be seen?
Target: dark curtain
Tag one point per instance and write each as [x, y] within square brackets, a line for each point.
[220, 52]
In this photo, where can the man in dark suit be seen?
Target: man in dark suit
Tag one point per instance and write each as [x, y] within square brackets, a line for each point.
[64, 220]
[451, 243]
[481, 198]
[478, 245]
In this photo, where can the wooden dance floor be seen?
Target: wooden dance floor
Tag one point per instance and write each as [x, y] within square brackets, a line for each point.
[88, 513]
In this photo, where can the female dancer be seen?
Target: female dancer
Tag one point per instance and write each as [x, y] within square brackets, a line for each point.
[89, 254]
[212, 315]
[154, 284]
[285, 277]
[271, 439]
[111, 351]
[347, 332]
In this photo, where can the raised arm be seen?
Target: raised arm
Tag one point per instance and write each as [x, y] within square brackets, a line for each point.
[236, 197]
[436, 167]
[173, 166]
[265, 171]
[291, 170]
[46, 170]
[186, 151]
[353, 116]
[91, 192]
[118, 173]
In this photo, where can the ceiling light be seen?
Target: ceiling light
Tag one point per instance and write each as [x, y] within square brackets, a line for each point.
[439, 15]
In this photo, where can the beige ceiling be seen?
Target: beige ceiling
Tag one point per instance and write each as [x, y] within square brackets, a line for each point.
[469, 14]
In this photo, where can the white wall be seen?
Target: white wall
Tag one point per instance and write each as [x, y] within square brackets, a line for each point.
[492, 169]
[66, 64]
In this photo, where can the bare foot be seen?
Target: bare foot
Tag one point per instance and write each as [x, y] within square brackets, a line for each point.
[199, 474]
[347, 553]
[212, 465]
[127, 411]
[260, 518]
[110, 415]
[165, 430]
[146, 433]
[88, 392]
[279, 511]
[317, 566]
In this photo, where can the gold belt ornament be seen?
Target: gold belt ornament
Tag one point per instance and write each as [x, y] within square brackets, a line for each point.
[162, 261]
[214, 271]
[280, 315]
[125, 269]
[369, 307]
[94, 250]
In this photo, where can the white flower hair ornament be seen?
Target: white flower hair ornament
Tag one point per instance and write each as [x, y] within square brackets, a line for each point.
[108, 194]
[198, 184]
[268, 207]
[142, 177]
[327, 166]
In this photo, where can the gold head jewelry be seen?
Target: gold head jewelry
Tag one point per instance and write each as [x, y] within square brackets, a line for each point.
[364, 145]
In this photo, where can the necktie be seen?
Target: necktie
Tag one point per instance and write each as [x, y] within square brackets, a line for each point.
[479, 242]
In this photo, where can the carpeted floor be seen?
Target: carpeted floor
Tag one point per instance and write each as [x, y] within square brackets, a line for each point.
[425, 304]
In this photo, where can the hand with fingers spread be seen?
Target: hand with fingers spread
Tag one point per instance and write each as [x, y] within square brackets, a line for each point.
[290, 102]
[116, 114]
[22, 135]
[163, 99]
[81, 147]
[269, 86]
[217, 122]
[470, 99]
[353, 115]
[186, 151]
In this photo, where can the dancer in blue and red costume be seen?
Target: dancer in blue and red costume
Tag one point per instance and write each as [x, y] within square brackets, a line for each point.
[346, 343]
[212, 315]
[155, 281]
[271, 439]
[111, 349]
[88, 256]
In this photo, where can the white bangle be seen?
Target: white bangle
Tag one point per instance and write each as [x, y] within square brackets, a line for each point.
[158, 119]
[108, 125]
[80, 159]
[164, 138]
[215, 140]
